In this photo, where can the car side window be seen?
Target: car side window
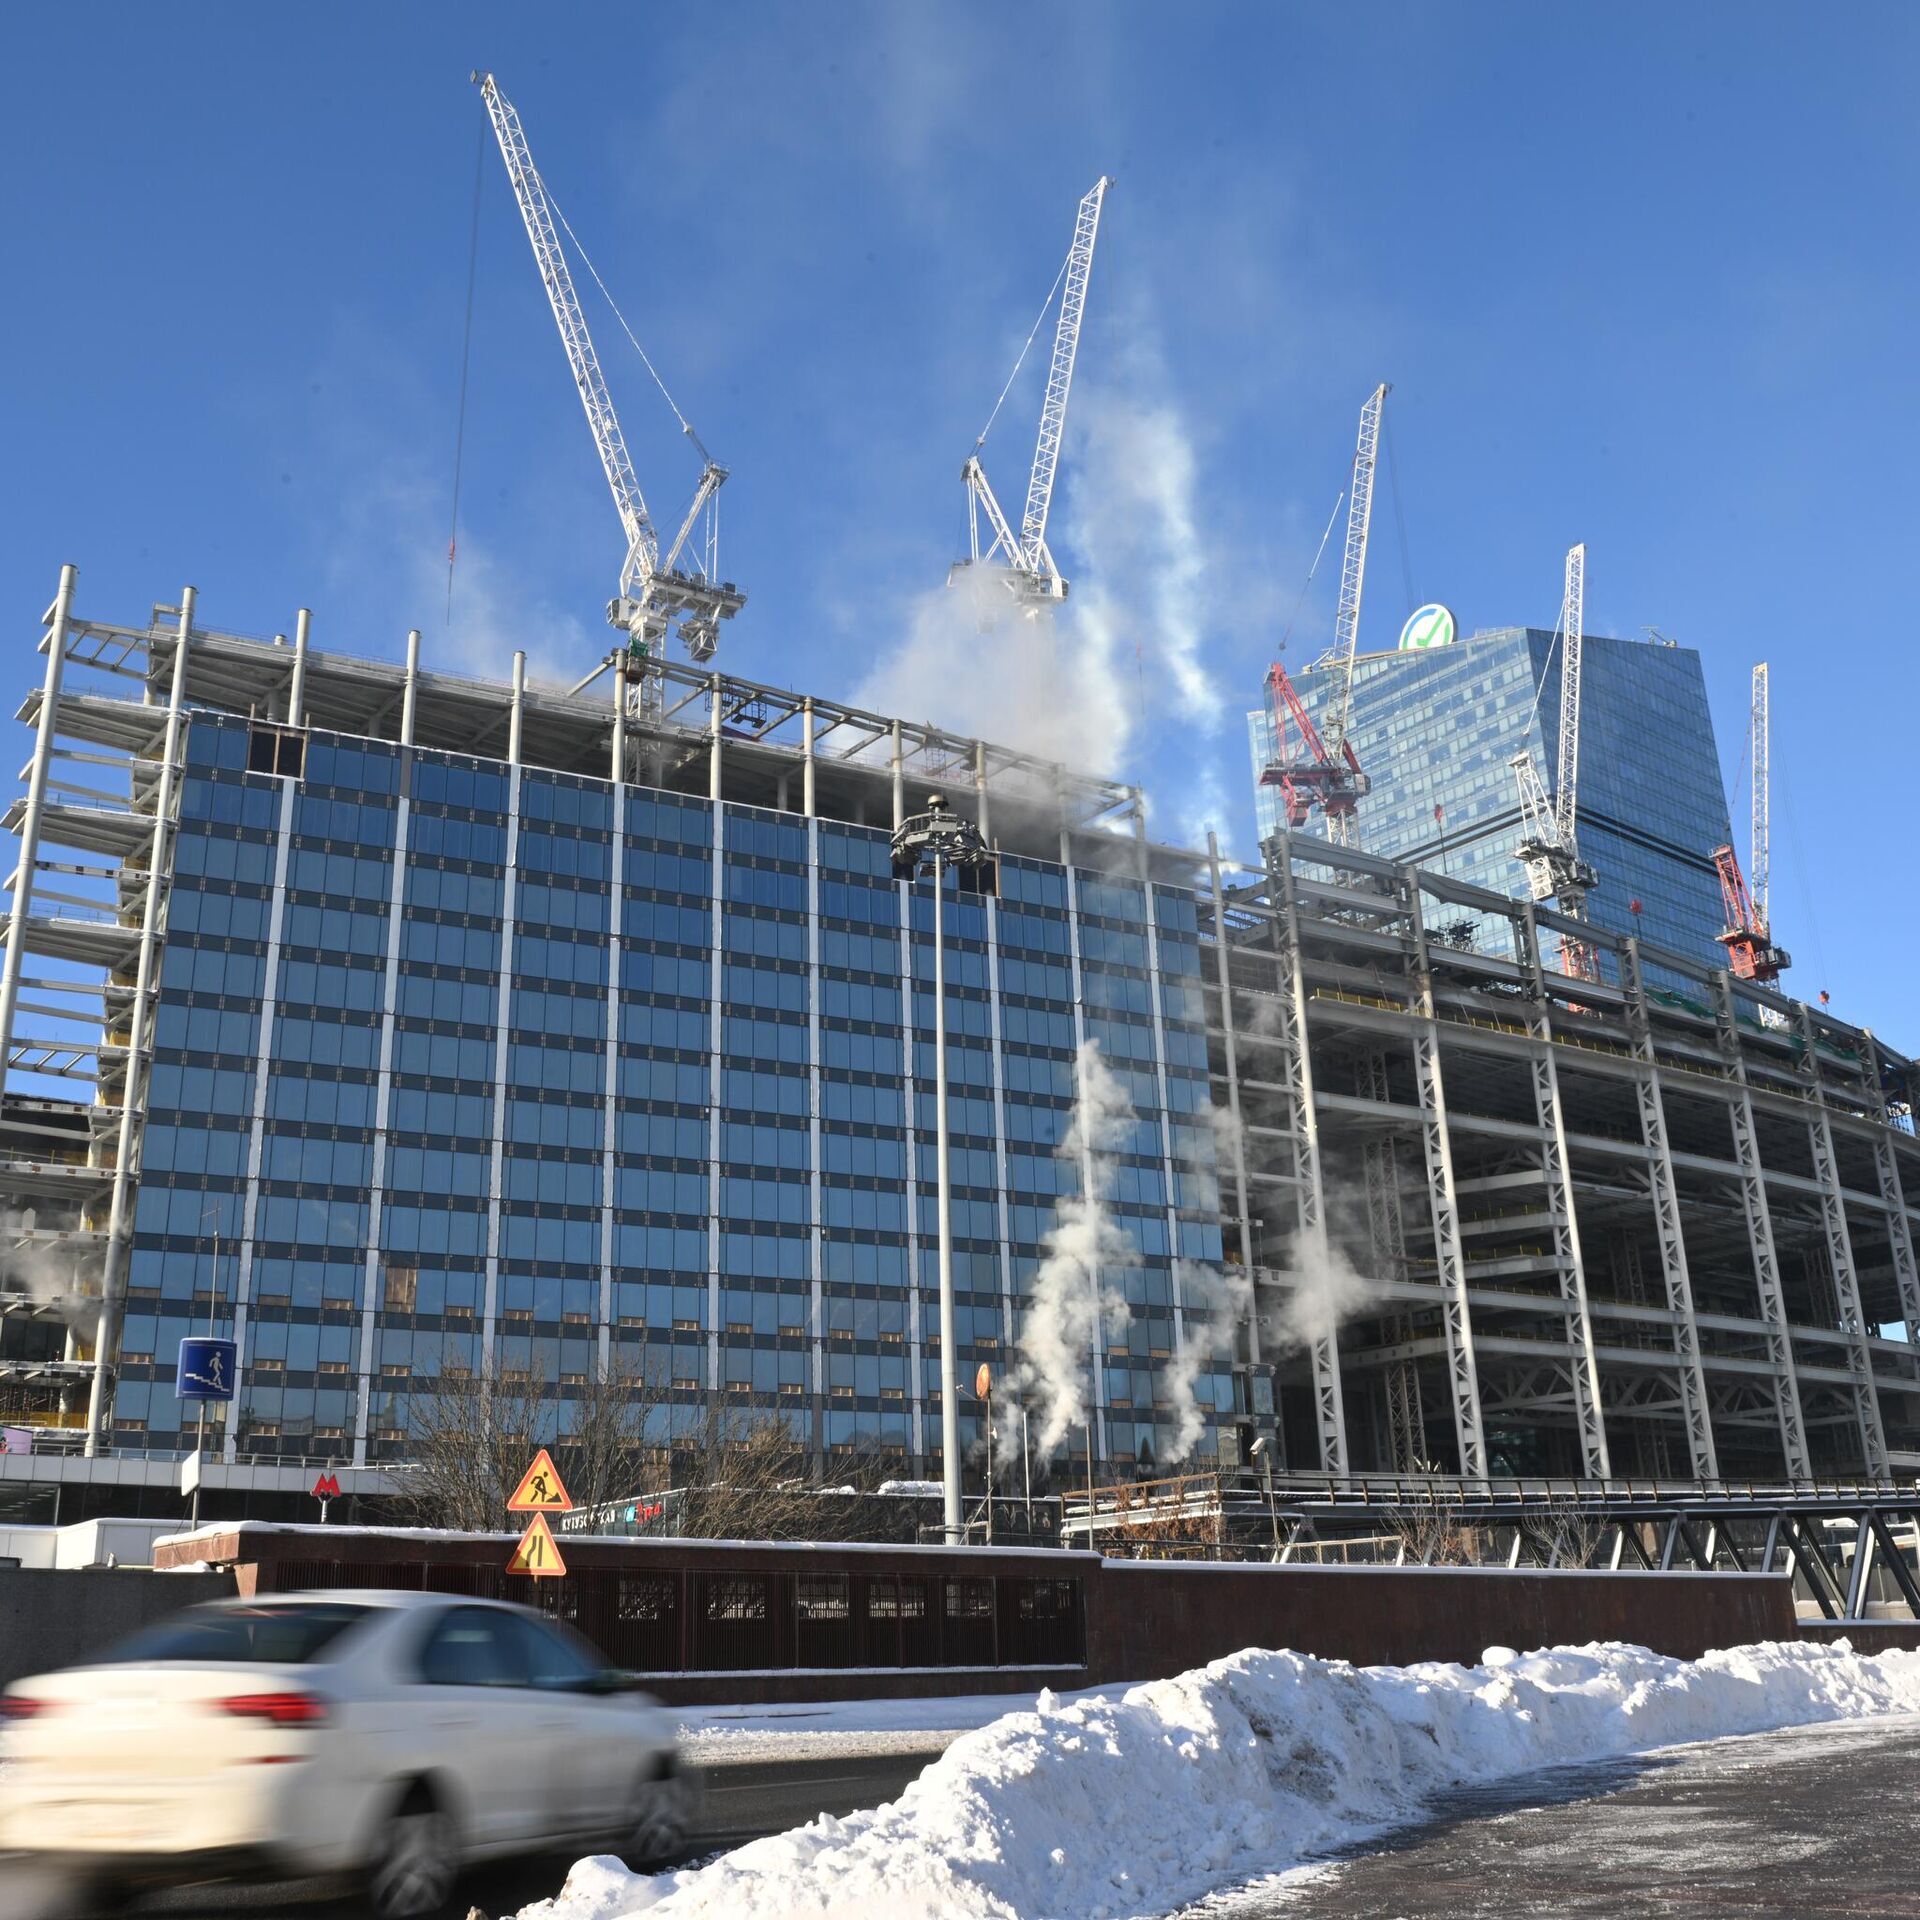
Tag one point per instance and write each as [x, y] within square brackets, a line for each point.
[474, 1647]
[555, 1661]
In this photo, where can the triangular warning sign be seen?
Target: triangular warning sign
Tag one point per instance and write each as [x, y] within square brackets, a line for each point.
[540, 1489]
[537, 1554]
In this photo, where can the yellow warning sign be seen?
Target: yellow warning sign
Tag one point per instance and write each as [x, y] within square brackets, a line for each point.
[540, 1489]
[537, 1554]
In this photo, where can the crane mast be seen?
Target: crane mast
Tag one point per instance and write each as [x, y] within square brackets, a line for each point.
[1028, 562]
[656, 596]
[1760, 856]
[1549, 846]
[1353, 576]
[1748, 934]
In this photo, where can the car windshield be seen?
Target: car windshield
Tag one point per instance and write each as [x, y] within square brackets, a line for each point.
[279, 1634]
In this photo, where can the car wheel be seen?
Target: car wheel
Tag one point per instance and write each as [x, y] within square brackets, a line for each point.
[662, 1813]
[413, 1871]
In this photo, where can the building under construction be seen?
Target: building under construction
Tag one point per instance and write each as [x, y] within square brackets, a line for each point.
[399, 1023]
[1588, 1227]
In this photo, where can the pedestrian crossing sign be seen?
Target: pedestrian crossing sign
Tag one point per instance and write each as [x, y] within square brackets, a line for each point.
[540, 1489]
[538, 1553]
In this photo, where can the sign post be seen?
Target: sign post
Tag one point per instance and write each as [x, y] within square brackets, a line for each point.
[326, 1488]
[206, 1372]
[540, 1492]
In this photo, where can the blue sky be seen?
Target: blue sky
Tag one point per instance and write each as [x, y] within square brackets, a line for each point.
[1641, 276]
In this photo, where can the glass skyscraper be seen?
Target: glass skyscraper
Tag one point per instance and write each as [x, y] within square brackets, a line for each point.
[1435, 731]
[458, 1050]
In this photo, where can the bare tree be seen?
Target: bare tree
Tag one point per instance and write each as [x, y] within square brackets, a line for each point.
[473, 1437]
[744, 1479]
[470, 1441]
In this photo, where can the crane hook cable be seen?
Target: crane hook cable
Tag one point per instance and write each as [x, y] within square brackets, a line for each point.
[1046, 308]
[686, 426]
[466, 357]
[1319, 554]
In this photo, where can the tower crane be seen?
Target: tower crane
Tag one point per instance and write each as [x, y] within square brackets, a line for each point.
[1550, 846]
[1748, 936]
[680, 592]
[1313, 768]
[1030, 572]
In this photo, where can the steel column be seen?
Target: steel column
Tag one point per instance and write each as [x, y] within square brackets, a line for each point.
[1569, 1267]
[57, 617]
[133, 1085]
[1766, 1259]
[1323, 1349]
[1695, 1406]
[1905, 1271]
[1463, 1376]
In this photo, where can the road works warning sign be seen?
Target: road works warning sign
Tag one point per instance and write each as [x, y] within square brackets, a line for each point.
[537, 1554]
[540, 1489]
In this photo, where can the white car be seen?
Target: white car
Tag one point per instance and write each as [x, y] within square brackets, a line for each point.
[391, 1737]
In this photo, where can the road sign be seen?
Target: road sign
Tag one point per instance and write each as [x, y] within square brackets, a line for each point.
[983, 1381]
[206, 1368]
[327, 1487]
[541, 1489]
[537, 1554]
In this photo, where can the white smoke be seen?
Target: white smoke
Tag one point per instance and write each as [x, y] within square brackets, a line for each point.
[1079, 682]
[975, 663]
[1216, 1302]
[1074, 1307]
[1326, 1289]
[1132, 519]
[69, 1287]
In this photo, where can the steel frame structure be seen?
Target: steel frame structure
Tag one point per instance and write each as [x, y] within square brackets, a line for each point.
[1852, 1550]
[1575, 1133]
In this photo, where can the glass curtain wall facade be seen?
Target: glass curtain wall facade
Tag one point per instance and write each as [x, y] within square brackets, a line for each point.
[453, 1056]
[1435, 731]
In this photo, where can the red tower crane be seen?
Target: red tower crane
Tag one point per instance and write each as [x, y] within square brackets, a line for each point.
[1307, 775]
[1311, 771]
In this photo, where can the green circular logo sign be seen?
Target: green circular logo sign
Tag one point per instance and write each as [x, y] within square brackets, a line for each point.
[1428, 626]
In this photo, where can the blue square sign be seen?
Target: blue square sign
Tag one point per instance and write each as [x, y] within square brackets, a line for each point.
[206, 1369]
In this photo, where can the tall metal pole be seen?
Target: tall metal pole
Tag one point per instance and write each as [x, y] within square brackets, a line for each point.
[949, 1392]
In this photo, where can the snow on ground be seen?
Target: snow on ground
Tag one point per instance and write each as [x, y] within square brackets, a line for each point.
[818, 1730]
[1133, 1802]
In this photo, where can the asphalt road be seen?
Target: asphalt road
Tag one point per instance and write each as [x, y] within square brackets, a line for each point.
[1821, 1820]
[741, 1802]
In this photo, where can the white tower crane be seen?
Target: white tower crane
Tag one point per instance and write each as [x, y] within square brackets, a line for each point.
[1550, 846]
[656, 595]
[1342, 795]
[1029, 565]
[1760, 861]
[1748, 934]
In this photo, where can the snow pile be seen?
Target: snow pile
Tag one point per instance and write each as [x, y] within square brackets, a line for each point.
[826, 1729]
[1139, 1801]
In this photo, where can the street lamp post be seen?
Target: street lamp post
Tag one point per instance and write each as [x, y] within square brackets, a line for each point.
[945, 840]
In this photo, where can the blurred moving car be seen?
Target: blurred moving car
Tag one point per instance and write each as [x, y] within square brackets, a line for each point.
[394, 1738]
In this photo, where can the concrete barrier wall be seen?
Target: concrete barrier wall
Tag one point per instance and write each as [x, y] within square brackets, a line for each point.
[1143, 1620]
[61, 1619]
[1148, 1618]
